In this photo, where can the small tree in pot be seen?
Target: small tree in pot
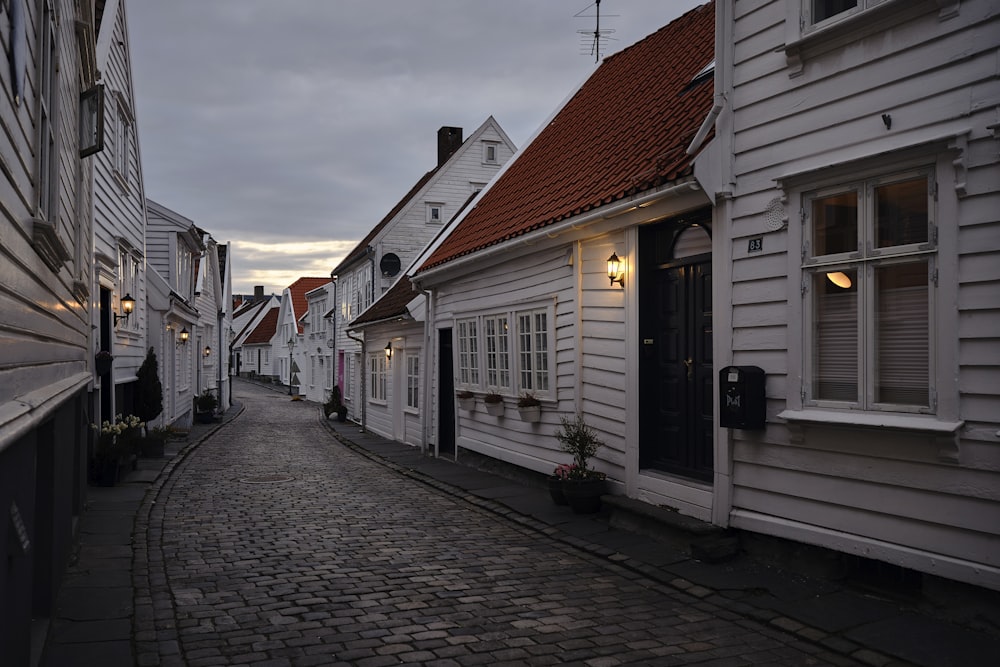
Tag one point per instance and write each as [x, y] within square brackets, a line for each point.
[581, 485]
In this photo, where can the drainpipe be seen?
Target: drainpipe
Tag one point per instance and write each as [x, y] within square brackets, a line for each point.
[428, 339]
[333, 361]
[363, 399]
[370, 251]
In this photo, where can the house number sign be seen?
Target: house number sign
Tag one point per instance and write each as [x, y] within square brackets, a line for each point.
[756, 244]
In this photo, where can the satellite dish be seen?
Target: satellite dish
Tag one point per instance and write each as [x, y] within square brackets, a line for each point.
[390, 264]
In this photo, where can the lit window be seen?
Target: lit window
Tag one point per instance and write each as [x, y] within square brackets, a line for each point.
[868, 281]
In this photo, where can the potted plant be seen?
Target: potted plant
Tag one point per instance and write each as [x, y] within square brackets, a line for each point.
[466, 400]
[152, 444]
[130, 437]
[529, 407]
[334, 405]
[205, 405]
[109, 449]
[494, 404]
[102, 362]
[581, 485]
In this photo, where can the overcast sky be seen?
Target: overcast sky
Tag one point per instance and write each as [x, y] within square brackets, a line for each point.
[291, 128]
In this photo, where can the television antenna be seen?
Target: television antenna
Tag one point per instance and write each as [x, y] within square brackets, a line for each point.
[594, 42]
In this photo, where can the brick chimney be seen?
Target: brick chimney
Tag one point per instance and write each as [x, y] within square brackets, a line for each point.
[449, 139]
[258, 291]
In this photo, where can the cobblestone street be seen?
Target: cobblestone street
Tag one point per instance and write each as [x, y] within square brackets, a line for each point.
[274, 544]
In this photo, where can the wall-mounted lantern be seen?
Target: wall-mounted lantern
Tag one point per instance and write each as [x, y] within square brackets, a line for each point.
[207, 351]
[616, 270]
[184, 335]
[127, 305]
[388, 350]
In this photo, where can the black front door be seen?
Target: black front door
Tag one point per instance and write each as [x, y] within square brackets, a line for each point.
[676, 376]
[446, 396]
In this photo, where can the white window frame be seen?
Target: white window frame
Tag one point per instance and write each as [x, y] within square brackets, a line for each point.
[945, 419]
[533, 360]
[377, 380]
[497, 362]
[467, 352]
[48, 105]
[435, 213]
[480, 368]
[124, 131]
[128, 283]
[491, 152]
[412, 381]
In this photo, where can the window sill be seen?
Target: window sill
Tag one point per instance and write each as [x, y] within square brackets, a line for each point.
[838, 34]
[921, 423]
[944, 432]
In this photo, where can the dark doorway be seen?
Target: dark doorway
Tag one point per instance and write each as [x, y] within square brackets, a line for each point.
[107, 389]
[446, 396]
[676, 376]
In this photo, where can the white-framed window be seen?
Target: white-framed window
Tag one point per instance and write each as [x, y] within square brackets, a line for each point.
[869, 274]
[412, 381]
[376, 378]
[128, 283]
[533, 350]
[493, 356]
[267, 356]
[496, 336]
[468, 352]
[124, 131]
[435, 212]
[48, 86]
[490, 152]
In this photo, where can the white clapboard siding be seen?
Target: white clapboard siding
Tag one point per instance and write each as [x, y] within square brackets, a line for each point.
[936, 79]
[45, 326]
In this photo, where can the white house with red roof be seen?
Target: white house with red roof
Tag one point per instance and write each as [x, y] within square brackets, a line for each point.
[257, 346]
[463, 168]
[520, 299]
[288, 346]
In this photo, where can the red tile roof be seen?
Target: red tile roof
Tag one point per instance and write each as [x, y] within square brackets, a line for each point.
[298, 291]
[625, 131]
[391, 304]
[264, 331]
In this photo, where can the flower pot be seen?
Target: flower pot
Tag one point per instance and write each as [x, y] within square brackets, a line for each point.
[204, 417]
[583, 495]
[102, 365]
[532, 413]
[151, 448]
[467, 404]
[556, 490]
[342, 413]
[105, 472]
[495, 409]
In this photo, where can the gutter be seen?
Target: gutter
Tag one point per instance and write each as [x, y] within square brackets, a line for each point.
[552, 231]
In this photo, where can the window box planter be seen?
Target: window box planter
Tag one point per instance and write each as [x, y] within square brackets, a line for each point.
[494, 404]
[529, 408]
[466, 400]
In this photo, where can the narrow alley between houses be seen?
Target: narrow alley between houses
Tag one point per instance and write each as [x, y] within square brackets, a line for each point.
[273, 543]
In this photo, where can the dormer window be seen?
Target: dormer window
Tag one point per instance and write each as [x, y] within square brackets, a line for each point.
[490, 152]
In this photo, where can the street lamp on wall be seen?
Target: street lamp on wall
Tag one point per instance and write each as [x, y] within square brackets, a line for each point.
[616, 270]
[184, 335]
[388, 351]
[127, 305]
[207, 351]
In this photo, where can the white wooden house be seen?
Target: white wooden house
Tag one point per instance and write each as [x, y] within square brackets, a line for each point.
[317, 343]
[463, 168]
[173, 246]
[246, 316]
[213, 301]
[519, 297]
[47, 346]
[257, 361]
[119, 219]
[291, 345]
[858, 244]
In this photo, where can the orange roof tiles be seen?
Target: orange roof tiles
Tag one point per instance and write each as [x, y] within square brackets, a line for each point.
[625, 131]
[264, 331]
[298, 290]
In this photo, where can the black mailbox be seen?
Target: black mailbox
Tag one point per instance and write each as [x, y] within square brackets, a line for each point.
[741, 397]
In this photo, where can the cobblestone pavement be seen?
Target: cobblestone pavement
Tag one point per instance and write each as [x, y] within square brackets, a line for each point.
[273, 544]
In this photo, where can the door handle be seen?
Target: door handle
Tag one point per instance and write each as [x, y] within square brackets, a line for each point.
[689, 364]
